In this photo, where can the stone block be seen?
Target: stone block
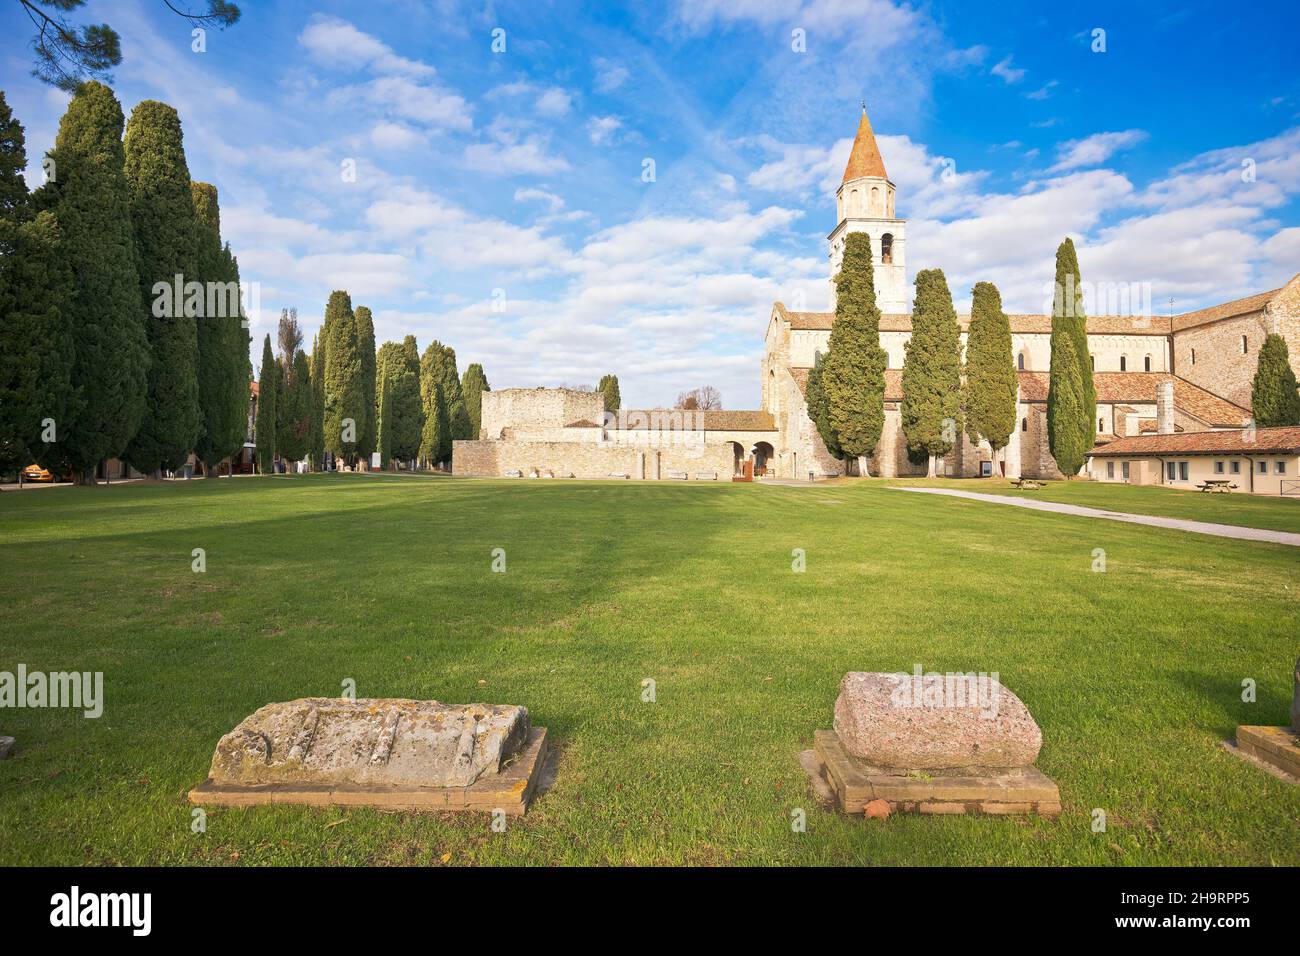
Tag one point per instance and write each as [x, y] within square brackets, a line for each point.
[1279, 746]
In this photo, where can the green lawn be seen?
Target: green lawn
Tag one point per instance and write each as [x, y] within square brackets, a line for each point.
[1252, 511]
[1134, 675]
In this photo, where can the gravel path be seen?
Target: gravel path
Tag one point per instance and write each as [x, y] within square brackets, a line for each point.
[1178, 524]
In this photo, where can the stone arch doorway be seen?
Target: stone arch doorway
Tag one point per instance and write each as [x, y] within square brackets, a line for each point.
[737, 458]
[763, 453]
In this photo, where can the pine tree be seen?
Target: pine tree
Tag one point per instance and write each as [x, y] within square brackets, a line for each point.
[367, 442]
[90, 199]
[345, 404]
[1274, 399]
[819, 411]
[608, 387]
[166, 242]
[266, 410]
[316, 434]
[1068, 315]
[36, 343]
[1070, 442]
[293, 409]
[472, 386]
[853, 371]
[991, 379]
[224, 371]
[931, 405]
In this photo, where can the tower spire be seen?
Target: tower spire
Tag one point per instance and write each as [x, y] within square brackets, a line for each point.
[865, 159]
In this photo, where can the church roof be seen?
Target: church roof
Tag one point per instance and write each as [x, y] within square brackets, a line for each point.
[1140, 387]
[1020, 323]
[1284, 441]
[865, 159]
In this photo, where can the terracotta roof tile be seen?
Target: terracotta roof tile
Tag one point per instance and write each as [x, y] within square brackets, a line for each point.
[1123, 387]
[1225, 310]
[739, 420]
[1019, 322]
[1285, 441]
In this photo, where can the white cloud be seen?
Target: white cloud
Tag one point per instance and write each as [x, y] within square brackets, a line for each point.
[387, 135]
[554, 102]
[553, 202]
[601, 129]
[609, 75]
[512, 153]
[1004, 69]
[1095, 149]
[337, 43]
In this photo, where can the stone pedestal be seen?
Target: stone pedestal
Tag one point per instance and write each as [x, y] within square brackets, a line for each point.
[1279, 747]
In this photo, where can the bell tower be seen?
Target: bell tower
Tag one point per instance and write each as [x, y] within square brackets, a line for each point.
[865, 203]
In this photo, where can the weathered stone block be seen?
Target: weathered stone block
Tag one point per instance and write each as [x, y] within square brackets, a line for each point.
[896, 720]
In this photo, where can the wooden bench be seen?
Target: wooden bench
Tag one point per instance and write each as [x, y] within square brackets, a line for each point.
[678, 475]
[706, 476]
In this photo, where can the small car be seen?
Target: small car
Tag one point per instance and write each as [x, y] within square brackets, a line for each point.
[36, 473]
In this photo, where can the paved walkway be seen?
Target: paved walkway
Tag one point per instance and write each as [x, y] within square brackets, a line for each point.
[1178, 524]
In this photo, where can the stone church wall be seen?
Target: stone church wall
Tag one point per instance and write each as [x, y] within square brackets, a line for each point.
[492, 459]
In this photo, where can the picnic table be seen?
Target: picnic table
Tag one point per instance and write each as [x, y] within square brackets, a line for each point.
[1026, 484]
[1216, 484]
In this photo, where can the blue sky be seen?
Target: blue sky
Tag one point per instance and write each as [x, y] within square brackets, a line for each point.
[499, 202]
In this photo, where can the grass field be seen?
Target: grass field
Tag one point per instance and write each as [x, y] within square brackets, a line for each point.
[1134, 674]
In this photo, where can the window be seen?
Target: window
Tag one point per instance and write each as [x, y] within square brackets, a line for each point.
[1123, 470]
[1092, 362]
[875, 200]
[1263, 468]
[1244, 345]
[1171, 470]
[1281, 468]
[1123, 363]
[1110, 469]
[1024, 424]
[887, 248]
[986, 469]
[1020, 361]
[1101, 425]
[1193, 356]
[1218, 467]
[1146, 364]
[1234, 467]
[1182, 471]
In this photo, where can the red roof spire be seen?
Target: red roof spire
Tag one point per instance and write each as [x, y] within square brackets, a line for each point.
[865, 159]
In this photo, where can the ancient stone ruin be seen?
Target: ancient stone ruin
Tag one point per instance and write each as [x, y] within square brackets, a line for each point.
[931, 743]
[382, 752]
[1276, 749]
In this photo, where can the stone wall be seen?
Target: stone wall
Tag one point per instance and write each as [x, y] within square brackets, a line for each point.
[492, 459]
[1220, 365]
[537, 414]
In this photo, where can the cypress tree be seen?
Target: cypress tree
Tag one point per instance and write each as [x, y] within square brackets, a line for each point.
[36, 344]
[439, 365]
[472, 386]
[1069, 315]
[366, 436]
[991, 379]
[608, 387]
[90, 199]
[403, 419]
[435, 440]
[1070, 443]
[224, 372]
[931, 403]
[1274, 399]
[293, 409]
[853, 371]
[316, 434]
[819, 411]
[385, 420]
[166, 241]
[266, 411]
[345, 403]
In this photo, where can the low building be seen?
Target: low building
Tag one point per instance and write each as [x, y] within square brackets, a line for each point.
[1262, 461]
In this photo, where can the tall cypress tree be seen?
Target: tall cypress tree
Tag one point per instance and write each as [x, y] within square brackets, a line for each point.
[472, 386]
[1068, 315]
[366, 432]
[435, 440]
[1274, 399]
[293, 409]
[316, 435]
[1070, 443]
[385, 420]
[224, 372]
[36, 343]
[345, 402]
[166, 241]
[403, 418]
[931, 405]
[90, 199]
[853, 371]
[608, 387]
[266, 410]
[439, 365]
[991, 378]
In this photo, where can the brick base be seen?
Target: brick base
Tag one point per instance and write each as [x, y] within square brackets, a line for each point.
[1018, 790]
[1279, 746]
